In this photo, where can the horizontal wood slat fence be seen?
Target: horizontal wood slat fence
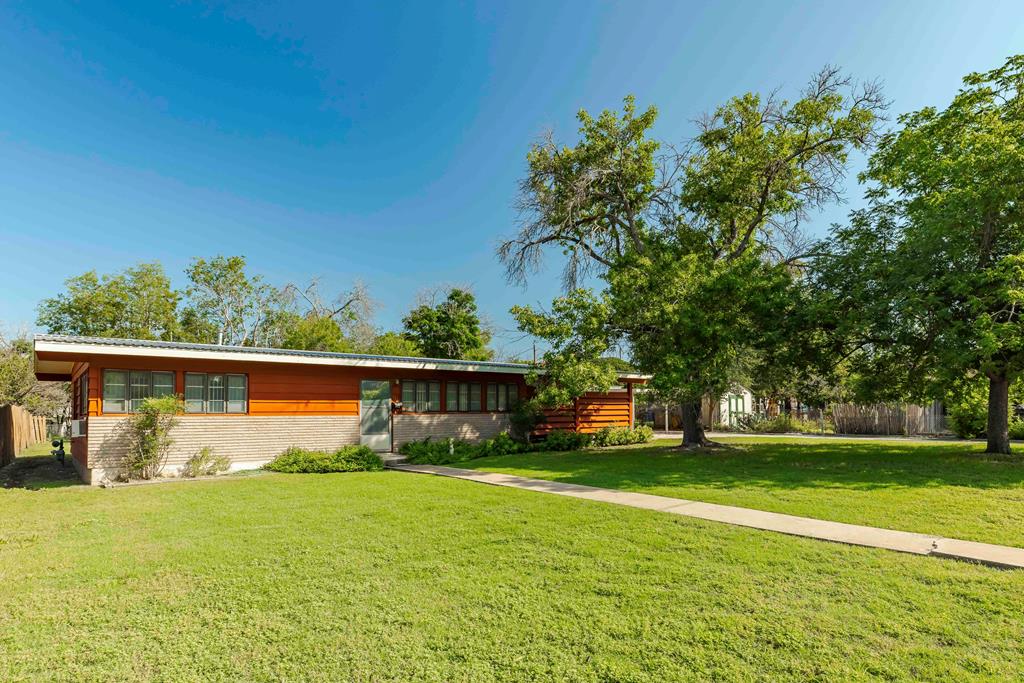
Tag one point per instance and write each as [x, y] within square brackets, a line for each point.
[19, 429]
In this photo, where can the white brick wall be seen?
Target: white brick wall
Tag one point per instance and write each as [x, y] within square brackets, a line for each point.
[466, 426]
[246, 440]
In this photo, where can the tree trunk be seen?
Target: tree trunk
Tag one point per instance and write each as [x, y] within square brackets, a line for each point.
[998, 430]
[693, 426]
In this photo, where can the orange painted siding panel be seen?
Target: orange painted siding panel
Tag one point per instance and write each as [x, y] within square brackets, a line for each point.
[283, 389]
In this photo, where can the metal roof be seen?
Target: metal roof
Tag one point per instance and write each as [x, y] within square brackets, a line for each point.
[266, 354]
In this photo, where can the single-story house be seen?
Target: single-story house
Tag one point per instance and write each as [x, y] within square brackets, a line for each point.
[249, 404]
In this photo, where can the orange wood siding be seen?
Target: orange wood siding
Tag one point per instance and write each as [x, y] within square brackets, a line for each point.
[591, 412]
[285, 388]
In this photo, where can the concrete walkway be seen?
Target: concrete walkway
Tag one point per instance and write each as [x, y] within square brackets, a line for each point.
[854, 534]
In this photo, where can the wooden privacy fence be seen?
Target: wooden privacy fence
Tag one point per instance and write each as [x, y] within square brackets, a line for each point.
[19, 429]
[882, 418]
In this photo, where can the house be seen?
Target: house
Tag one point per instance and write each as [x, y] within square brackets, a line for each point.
[250, 404]
[733, 406]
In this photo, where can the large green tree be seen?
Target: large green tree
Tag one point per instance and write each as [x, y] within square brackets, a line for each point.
[137, 303]
[450, 328]
[19, 386]
[696, 246]
[929, 279]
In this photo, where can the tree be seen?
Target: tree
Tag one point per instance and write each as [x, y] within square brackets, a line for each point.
[450, 328]
[930, 277]
[340, 326]
[137, 303]
[697, 247]
[19, 386]
[393, 344]
[244, 310]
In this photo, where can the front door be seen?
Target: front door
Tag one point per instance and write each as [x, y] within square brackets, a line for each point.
[375, 414]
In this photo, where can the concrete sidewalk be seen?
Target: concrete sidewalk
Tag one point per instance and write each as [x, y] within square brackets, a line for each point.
[902, 541]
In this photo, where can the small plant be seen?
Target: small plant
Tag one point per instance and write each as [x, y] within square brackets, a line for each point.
[443, 452]
[149, 436]
[623, 436]
[345, 459]
[205, 463]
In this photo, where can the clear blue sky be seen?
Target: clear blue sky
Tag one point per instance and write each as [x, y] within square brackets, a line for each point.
[381, 141]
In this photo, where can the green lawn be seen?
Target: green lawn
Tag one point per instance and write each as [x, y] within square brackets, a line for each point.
[943, 488]
[393, 576]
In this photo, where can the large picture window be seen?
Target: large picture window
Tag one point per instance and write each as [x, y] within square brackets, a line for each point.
[462, 397]
[502, 397]
[215, 393]
[125, 390]
[421, 396]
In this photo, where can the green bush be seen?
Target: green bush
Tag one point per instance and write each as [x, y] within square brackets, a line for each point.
[444, 452]
[967, 409]
[623, 436]
[149, 436]
[1017, 428]
[563, 440]
[345, 459]
[205, 463]
[502, 444]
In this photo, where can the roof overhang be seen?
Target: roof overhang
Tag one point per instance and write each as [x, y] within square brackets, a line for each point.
[55, 356]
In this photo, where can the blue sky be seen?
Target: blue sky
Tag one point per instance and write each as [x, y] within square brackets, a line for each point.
[383, 141]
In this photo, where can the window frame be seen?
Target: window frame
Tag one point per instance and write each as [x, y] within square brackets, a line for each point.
[83, 395]
[499, 394]
[463, 397]
[224, 399]
[127, 401]
[421, 401]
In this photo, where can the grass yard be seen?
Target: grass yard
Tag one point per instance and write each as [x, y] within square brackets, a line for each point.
[392, 576]
[943, 488]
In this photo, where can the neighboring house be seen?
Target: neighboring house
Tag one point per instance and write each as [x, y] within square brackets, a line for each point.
[736, 403]
[249, 404]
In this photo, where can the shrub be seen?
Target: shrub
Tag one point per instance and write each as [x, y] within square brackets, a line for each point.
[1017, 428]
[345, 459]
[524, 418]
[446, 451]
[149, 436]
[502, 444]
[622, 436]
[563, 440]
[205, 463]
[967, 409]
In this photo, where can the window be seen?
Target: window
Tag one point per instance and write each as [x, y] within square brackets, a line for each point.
[125, 390]
[83, 395]
[215, 393]
[421, 396]
[502, 397]
[463, 397]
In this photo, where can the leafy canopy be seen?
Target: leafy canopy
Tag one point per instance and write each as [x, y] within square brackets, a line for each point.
[928, 281]
[449, 329]
[696, 246]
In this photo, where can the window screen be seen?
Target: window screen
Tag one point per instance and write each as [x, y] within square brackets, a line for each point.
[502, 397]
[216, 393]
[195, 392]
[421, 396]
[115, 391]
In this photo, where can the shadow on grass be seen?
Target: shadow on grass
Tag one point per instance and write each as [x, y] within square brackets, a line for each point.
[38, 472]
[787, 465]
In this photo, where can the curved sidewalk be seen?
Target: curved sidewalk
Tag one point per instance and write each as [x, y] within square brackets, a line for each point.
[854, 534]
